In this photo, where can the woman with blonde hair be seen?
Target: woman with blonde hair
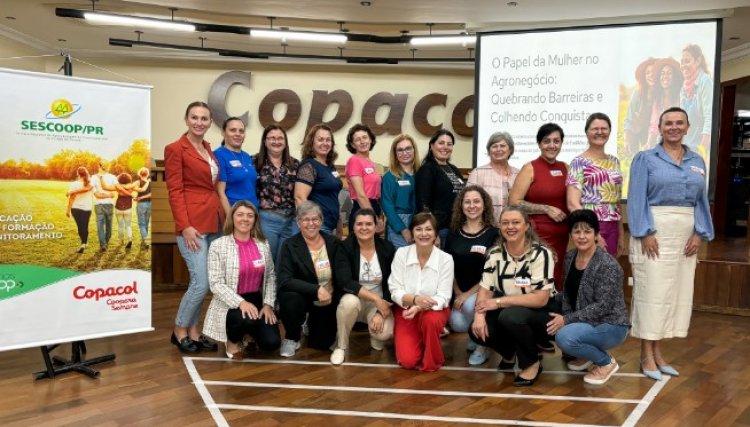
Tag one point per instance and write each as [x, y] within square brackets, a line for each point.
[243, 283]
[397, 195]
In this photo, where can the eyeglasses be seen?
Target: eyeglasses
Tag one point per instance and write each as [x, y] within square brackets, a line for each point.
[404, 150]
[275, 139]
[310, 220]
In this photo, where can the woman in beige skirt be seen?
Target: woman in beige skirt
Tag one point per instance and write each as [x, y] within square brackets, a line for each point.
[669, 216]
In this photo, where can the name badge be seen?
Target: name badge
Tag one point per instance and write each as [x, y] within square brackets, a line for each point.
[322, 265]
[556, 172]
[258, 263]
[335, 174]
[523, 282]
[235, 163]
[369, 171]
[478, 249]
[403, 183]
[696, 169]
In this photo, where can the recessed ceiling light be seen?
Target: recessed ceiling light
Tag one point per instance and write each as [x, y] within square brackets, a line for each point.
[365, 3]
[61, 40]
[12, 18]
[512, 3]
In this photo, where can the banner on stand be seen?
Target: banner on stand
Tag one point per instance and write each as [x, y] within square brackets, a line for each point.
[74, 209]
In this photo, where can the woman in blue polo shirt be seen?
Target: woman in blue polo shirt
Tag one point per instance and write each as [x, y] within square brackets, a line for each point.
[317, 179]
[237, 173]
[397, 193]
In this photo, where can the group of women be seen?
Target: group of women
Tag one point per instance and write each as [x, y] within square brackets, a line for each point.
[81, 201]
[487, 257]
[663, 83]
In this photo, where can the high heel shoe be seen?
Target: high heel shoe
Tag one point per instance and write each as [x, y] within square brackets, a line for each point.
[520, 381]
[669, 370]
[654, 375]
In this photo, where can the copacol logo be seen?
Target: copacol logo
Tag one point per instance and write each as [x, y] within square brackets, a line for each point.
[8, 282]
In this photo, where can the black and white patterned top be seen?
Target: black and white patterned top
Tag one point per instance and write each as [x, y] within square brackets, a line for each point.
[505, 275]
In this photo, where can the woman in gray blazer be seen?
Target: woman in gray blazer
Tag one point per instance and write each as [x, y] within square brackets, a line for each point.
[594, 317]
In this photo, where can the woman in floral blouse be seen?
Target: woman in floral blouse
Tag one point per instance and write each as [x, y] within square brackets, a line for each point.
[595, 182]
[275, 187]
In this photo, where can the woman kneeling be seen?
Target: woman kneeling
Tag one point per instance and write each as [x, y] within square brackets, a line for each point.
[363, 266]
[510, 314]
[420, 284]
[243, 283]
[594, 317]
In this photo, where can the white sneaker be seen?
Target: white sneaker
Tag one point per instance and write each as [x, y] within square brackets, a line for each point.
[288, 348]
[376, 344]
[579, 365]
[338, 356]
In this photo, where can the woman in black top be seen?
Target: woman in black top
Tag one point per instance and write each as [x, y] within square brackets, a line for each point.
[472, 234]
[438, 181]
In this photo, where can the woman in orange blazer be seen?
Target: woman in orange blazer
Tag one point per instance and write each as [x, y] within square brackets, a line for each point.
[191, 170]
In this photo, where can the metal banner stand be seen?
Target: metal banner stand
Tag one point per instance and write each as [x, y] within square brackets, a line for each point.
[56, 365]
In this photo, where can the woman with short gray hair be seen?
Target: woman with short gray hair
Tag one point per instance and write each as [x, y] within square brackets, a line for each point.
[306, 282]
[497, 176]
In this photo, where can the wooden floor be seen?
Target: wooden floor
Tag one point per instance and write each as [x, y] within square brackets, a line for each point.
[150, 384]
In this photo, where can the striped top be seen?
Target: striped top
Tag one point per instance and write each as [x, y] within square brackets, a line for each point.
[505, 275]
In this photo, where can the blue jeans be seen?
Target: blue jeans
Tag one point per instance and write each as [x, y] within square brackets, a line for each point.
[143, 212]
[460, 320]
[277, 229]
[589, 342]
[188, 314]
[396, 238]
[104, 214]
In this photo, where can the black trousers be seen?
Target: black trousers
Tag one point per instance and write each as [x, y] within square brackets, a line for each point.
[266, 336]
[321, 321]
[81, 218]
[516, 331]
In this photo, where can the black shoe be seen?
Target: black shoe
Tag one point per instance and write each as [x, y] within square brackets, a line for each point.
[204, 344]
[506, 366]
[523, 382]
[546, 346]
[185, 345]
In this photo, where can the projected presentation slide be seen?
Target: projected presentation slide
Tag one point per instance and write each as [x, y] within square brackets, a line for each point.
[630, 73]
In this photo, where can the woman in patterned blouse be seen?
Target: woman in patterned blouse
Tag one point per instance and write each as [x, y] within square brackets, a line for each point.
[276, 174]
[595, 182]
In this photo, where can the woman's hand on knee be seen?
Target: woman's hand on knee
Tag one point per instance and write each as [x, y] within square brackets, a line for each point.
[554, 325]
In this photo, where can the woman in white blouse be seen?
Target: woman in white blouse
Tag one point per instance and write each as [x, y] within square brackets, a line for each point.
[421, 282]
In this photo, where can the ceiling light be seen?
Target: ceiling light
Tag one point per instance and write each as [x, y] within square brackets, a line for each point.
[365, 3]
[103, 18]
[442, 40]
[300, 36]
